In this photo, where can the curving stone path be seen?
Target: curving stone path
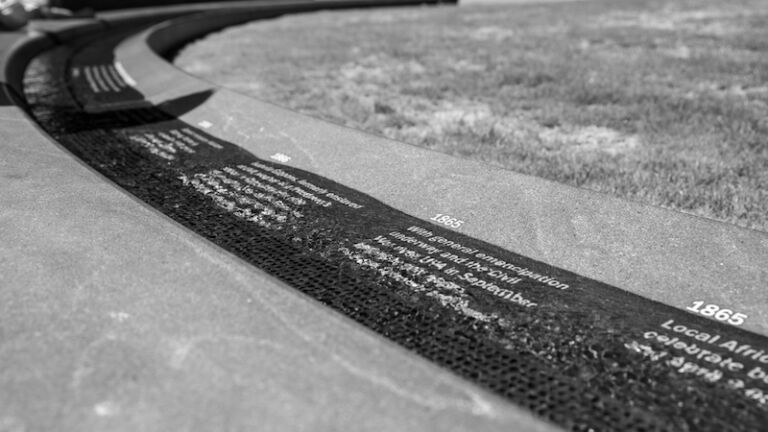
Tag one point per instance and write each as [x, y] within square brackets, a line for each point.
[179, 257]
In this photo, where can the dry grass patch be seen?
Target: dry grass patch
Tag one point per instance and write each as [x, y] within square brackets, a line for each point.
[663, 102]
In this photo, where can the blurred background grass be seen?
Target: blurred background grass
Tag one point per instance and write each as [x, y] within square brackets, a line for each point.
[661, 102]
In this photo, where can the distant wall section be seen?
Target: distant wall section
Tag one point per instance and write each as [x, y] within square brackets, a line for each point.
[102, 5]
[119, 4]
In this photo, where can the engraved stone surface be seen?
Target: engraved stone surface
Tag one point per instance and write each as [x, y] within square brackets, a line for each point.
[203, 309]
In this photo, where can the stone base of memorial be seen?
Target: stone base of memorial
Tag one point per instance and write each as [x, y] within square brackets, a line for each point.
[591, 312]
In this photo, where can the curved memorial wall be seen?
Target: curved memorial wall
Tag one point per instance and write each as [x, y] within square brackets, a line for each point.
[590, 312]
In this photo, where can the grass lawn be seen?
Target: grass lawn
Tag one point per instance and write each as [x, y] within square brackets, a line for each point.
[661, 102]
